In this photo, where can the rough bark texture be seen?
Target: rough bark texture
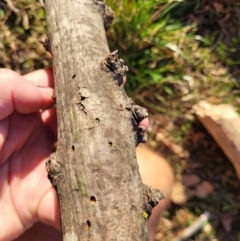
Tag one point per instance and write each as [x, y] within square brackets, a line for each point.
[94, 168]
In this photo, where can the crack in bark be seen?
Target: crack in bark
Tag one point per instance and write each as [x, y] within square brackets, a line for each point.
[83, 95]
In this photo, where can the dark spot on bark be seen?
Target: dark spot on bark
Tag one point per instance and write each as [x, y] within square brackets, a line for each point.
[97, 120]
[73, 148]
[110, 143]
[93, 200]
[73, 76]
[88, 224]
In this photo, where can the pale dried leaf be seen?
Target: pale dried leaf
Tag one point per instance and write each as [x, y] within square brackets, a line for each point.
[208, 228]
[178, 195]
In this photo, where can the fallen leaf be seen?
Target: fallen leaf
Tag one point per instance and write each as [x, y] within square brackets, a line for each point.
[203, 189]
[167, 223]
[213, 100]
[178, 195]
[194, 165]
[190, 180]
[208, 228]
[226, 220]
[207, 8]
[219, 7]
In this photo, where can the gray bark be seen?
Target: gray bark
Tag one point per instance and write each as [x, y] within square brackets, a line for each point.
[94, 168]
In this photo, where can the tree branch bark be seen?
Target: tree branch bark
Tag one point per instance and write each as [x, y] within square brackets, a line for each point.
[94, 168]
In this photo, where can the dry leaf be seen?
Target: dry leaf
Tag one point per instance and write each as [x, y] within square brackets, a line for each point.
[203, 189]
[190, 180]
[167, 222]
[226, 220]
[208, 228]
[213, 100]
[178, 195]
[219, 7]
[194, 165]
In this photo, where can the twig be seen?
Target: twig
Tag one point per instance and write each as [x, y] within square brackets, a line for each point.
[193, 228]
[236, 9]
[220, 38]
[11, 6]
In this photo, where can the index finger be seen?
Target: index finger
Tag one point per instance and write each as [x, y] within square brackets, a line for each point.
[41, 77]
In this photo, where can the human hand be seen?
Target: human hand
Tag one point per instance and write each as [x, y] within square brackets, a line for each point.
[26, 140]
[27, 134]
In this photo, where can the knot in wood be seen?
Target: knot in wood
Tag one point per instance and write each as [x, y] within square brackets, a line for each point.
[139, 113]
[152, 197]
[115, 67]
[54, 169]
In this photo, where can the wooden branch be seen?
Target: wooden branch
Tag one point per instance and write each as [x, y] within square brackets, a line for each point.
[94, 169]
[223, 123]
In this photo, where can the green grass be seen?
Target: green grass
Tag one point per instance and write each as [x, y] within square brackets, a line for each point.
[148, 38]
[168, 56]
